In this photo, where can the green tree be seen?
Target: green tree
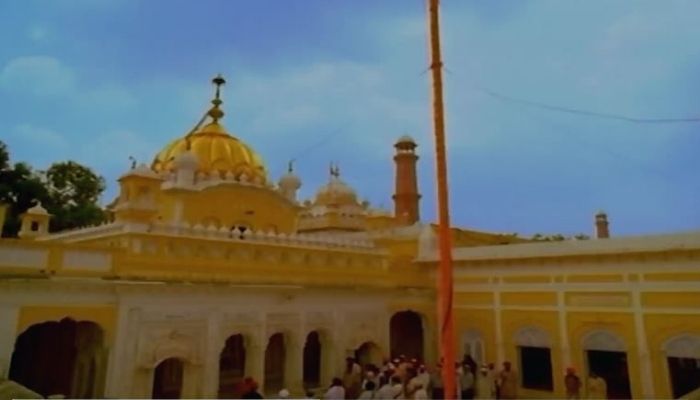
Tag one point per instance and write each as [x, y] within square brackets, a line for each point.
[68, 190]
[74, 191]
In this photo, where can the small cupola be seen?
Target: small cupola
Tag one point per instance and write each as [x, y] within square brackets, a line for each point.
[289, 183]
[35, 222]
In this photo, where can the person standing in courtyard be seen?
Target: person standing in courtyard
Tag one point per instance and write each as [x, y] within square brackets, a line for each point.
[367, 391]
[384, 391]
[438, 390]
[508, 382]
[336, 391]
[420, 393]
[484, 384]
[572, 383]
[251, 389]
[466, 382]
[596, 387]
[352, 378]
[495, 392]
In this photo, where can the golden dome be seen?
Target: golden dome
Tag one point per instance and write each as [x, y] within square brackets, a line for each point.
[215, 149]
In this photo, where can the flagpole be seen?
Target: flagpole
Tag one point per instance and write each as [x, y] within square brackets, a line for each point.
[445, 287]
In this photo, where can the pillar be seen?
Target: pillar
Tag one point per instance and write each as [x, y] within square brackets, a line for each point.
[120, 366]
[645, 369]
[564, 331]
[294, 365]
[255, 358]
[214, 345]
[500, 349]
[8, 334]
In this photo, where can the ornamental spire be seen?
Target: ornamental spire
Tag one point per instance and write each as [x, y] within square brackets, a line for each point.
[335, 170]
[215, 112]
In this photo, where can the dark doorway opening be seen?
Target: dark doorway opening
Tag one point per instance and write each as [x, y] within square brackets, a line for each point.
[274, 363]
[312, 360]
[612, 367]
[231, 367]
[63, 358]
[167, 379]
[406, 335]
[685, 375]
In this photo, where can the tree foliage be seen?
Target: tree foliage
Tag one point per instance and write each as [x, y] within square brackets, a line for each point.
[68, 190]
[538, 237]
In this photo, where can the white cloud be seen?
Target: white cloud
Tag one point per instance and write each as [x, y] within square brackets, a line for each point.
[37, 75]
[111, 150]
[322, 96]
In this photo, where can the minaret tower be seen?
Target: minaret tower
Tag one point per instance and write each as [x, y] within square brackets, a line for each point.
[406, 197]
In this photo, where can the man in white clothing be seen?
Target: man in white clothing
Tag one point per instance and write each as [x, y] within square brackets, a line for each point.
[336, 391]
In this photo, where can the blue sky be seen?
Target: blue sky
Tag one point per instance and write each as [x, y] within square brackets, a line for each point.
[99, 80]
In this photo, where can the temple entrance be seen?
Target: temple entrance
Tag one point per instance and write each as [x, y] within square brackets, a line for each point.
[368, 353]
[167, 379]
[611, 366]
[312, 361]
[231, 367]
[406, 335]
[274, 363]
[65, 357]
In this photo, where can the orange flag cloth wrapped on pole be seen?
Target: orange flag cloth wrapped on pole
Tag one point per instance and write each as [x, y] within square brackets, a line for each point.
[445, 287]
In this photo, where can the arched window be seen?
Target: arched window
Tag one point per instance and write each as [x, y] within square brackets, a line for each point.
[606, 355]
[683, 357]
[535, 358]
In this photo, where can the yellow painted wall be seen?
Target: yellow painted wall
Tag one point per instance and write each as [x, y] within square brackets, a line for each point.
[671, 299]
[529, 298]
[224, 206]
[594, 278]
[473, 298]
[103, 315]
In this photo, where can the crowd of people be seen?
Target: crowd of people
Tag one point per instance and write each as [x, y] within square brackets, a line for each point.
[409, 379]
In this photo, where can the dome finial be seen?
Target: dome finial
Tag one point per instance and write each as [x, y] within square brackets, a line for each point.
[334, 170]
[290, 166]
[215, 112]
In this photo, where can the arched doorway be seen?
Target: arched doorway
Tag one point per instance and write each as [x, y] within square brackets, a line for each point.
[683, 358]
[368, 353]
[65, 357]
[406, 335]
[167, 379]
[231, 367]
[607, 357]
[312, 360]
[473, 346]
[275, 359]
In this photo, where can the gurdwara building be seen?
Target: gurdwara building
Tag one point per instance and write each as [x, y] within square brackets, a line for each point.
[210, 271]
